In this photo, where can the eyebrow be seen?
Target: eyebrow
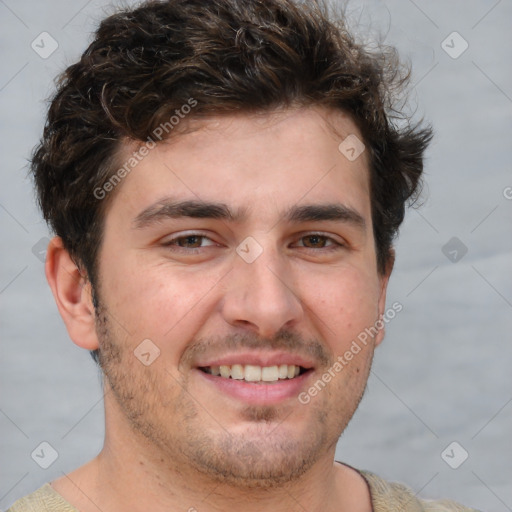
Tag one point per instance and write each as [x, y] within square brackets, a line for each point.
[169, 208]
[325, 212]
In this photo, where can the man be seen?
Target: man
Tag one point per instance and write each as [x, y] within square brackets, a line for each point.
[225, 179]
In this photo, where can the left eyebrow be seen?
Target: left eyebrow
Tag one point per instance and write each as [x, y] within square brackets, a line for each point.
[325, 212]
[169, 208]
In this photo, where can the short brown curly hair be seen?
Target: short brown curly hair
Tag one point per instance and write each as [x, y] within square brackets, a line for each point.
[229, 56]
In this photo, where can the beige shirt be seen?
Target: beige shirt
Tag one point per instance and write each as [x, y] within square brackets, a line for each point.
[386, 497]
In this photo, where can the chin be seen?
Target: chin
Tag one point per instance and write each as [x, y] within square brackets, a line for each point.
[260, 457]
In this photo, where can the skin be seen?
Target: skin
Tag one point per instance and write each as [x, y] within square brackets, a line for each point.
[174, 439]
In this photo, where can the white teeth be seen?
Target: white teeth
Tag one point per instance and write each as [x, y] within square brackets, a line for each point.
[269, 374]
[237, 372]
[254, 373]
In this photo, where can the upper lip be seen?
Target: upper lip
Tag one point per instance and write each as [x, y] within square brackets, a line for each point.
[257, 359]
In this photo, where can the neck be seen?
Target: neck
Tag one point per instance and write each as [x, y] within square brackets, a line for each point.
[141, 479]
[130, 473]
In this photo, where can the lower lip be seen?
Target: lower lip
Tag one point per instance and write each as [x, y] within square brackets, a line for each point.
[259, 393]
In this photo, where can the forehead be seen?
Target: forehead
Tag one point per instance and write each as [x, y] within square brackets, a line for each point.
[258, 162]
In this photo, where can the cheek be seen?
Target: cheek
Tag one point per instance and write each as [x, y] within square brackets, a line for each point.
[346, 303]
[159, 302]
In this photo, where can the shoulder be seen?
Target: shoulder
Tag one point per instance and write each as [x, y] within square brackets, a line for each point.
[389, 496]
[45, 499]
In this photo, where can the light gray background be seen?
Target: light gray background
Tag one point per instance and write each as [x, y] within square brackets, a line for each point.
[443, 372]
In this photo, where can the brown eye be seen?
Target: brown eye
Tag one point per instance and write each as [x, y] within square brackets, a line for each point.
[319, 243]
[191, 241]
[315, 241]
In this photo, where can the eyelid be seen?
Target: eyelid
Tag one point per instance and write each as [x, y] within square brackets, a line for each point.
[335, 243]
[328, 236]
[185, 234]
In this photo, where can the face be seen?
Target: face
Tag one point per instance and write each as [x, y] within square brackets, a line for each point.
[244, 247]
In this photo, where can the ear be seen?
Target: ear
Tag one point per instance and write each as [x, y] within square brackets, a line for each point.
[384, 279]
[73, 294]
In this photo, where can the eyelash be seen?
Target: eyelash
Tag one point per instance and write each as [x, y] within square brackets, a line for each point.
[335, 245]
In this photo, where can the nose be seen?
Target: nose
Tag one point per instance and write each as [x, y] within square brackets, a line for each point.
[260, 295]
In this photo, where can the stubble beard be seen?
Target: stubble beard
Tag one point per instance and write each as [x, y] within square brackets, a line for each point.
[262, 457]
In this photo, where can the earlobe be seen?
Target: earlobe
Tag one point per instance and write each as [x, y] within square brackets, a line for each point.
[73, 295]
[384, 280]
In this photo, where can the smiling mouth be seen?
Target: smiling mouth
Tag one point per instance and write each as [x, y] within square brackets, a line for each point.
[255, 374]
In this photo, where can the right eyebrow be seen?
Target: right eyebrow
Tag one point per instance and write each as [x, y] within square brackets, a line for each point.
[168, 208]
